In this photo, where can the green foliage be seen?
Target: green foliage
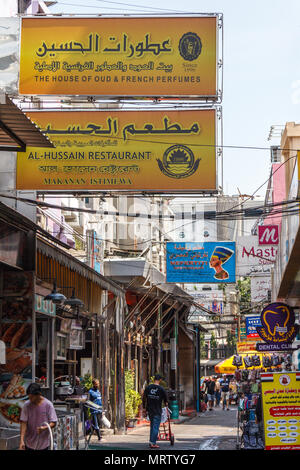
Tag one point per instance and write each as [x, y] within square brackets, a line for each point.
[162, 382]
[213, 346]
[202, 346]
[132, 398]
[244, 288]
[87, 381]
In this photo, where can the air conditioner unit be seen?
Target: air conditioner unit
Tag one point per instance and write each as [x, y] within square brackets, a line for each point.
[275, 154]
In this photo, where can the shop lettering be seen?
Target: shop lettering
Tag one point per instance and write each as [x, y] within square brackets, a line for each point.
[271, 252]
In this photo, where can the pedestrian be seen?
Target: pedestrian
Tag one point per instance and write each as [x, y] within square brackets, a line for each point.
[153, 397]
[224, 382]
[218, 392]
[95, 397]
[36, 413]
[210, 390]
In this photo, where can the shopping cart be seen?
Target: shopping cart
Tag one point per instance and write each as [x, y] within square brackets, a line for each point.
[165, 432]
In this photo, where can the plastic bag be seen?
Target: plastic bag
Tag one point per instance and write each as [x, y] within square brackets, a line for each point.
[105, 422]
[164, 414]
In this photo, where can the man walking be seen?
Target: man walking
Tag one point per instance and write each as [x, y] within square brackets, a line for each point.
[95, 397]
[36, 412]
[210, 390]
[225, 391]
[153, 397]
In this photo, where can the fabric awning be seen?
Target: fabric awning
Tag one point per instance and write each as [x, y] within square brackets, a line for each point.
[17, 131]
[83, 269]
[226, 366]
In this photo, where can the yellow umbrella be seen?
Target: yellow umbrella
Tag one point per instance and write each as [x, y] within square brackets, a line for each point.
[226, 366]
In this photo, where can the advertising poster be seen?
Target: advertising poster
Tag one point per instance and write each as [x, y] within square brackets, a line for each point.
[119, 56]
[252, 321]
[16, 334]
[132, 150]
[281, 410]
[203, 262]
[252, 258]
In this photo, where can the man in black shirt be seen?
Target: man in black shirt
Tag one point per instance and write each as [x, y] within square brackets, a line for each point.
[210, 390]
[153, 397]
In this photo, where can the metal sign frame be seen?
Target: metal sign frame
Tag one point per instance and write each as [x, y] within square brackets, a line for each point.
[217, 98]
[218, 152]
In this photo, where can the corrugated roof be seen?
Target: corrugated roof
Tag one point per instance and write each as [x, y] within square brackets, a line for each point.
[17, 131]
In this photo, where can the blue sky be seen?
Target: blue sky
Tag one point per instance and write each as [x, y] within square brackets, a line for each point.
[261, 74]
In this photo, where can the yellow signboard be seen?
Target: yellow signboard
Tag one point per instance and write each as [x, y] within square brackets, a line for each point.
[247, 346]
[281, 410]
[149, 56]
[122, 150]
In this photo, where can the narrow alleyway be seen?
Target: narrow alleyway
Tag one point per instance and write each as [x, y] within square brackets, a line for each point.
[212, 430]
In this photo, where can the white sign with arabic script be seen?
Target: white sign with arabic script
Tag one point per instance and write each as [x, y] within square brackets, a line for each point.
[253, 259]
[259, 288]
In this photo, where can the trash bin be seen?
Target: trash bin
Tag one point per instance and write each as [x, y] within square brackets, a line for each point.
[173, 406]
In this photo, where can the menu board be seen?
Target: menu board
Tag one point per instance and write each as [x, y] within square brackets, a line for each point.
[281, 410]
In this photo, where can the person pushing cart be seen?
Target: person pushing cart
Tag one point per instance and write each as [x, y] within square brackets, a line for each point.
[153, 397]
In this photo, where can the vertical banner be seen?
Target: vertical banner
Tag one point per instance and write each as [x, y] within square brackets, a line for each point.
[173, 346]
[121, 56]
[281, 410]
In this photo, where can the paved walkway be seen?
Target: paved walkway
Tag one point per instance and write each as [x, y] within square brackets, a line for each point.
[212, 430]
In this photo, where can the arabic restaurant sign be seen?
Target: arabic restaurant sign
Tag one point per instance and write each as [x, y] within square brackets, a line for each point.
[203, 262]
[122, 150]
[119, 56]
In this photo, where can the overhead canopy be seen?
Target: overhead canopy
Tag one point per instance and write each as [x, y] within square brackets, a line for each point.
[226, 366]
[17, 131]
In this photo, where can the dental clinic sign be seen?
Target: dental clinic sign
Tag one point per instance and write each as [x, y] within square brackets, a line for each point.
[278, 329]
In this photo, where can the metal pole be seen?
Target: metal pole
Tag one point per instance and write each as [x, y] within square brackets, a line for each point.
[197, 370]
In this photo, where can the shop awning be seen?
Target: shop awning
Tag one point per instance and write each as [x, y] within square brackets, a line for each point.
[226, 366]
[65, 259]
[17, 131]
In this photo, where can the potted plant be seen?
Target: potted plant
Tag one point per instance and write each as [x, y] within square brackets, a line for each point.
[132, 399]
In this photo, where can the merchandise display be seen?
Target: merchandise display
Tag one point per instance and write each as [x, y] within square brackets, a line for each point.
[250, 423]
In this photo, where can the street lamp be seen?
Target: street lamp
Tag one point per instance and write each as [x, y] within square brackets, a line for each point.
[55, 296]
[59, 299]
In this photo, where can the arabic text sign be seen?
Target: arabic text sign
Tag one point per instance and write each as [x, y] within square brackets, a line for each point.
[281, 410]
[136, 150]
[278, 324]
[203, 262]
[119, 56]
[254, 259]
[260, 285]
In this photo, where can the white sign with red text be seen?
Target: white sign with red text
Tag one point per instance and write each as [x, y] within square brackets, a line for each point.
[268, 234]
[252, 258]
